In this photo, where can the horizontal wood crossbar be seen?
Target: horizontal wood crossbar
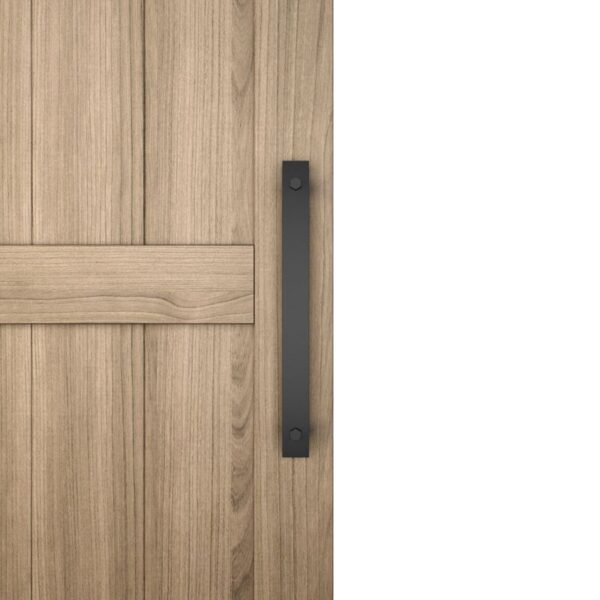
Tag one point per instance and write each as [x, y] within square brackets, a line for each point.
[126, 284]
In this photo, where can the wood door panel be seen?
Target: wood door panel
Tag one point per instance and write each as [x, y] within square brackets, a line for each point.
[15, 122]
[199, 505]
[144, 461]
[87, 379]
[15, 340]
[294, 120]
[87, 122]
[120, 284]
[199, 379]
[199, 122]
[15, 461]
[88, 462]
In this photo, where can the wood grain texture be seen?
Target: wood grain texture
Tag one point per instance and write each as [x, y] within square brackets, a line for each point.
[87, 389]
[87, 122]
[199, 122]
[200, 190]
[293, 497]
[15, 340]
[88, 464]
[232, 89]
[198, 476]
[15, 122]
[15, 462]
[126, 284]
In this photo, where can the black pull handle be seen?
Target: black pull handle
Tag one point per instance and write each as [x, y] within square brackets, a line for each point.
[295, 334]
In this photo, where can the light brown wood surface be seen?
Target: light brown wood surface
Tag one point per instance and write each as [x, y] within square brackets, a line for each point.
[198, 491]
[15, 340]
[15, 461]
[143, 462]
[199, 122]
[293, 498]
[120, 284]
[199, 190]
[15, 122]
[88, 462]
[87, 121]
[87, 189]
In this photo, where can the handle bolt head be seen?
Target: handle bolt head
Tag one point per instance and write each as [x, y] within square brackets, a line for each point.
[295, 183]
[295, 434]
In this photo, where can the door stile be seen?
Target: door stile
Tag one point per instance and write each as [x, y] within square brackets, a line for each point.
[15, 340]
[293, 496]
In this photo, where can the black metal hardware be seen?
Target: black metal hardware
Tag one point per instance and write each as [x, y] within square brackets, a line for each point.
[295, 211]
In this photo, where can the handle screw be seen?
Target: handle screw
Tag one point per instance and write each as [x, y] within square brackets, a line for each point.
[295, 183]
[295, 434]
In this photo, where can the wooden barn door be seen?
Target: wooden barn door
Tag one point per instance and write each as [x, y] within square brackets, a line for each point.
[141, 144]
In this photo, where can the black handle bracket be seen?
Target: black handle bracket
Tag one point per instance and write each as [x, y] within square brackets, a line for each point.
[295, 315]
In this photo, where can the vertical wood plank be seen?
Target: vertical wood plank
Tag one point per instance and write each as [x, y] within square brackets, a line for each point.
[87, 444]
[87, 380]
[87, 122]
[199, 121]
[198, 485]
[293, 497]
[15, 122]
[15, 340]
[241, 391]
[15, 462]
[200, 190]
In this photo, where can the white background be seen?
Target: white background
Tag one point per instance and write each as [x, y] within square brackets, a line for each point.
[467, 299]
